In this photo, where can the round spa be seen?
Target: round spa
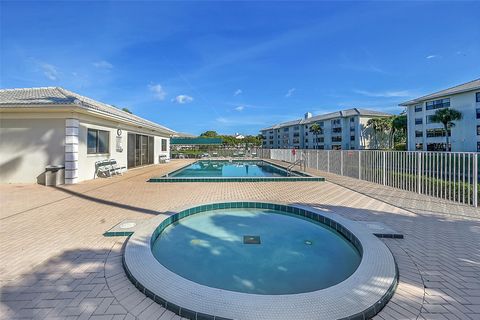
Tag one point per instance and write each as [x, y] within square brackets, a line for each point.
[256, 260]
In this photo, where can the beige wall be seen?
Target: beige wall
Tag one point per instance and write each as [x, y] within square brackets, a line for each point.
[28, 145]
[86, 162]
[30, 141]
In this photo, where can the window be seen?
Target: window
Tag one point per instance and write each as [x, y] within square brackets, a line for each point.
[418, 133]
[164, 144]
[97, 141]
[296, 128]
[418, 121]
[352, 138]
[477, 95]
[432, 133]
[437, 104]
[285, 129]
[337, 130]
[321, 147]
[296, 134]
[478, 113]
[336, 139]
[429, 119]
[478, 130]
[335, 122]
[418, 108]
[437, 147]
[419, 146]
[352, 119]
[336, 147]
[320, 139]
[478, 146]
[320, 123]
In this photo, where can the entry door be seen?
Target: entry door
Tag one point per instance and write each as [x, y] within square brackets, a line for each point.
[138, 148]
[150, 150]
[144, 150]
[131, 150]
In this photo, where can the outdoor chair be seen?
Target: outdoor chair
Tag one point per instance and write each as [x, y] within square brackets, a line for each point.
[103, 168]
[116, 168]
[163, 158]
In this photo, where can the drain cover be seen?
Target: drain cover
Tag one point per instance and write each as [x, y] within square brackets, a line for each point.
[251, 239]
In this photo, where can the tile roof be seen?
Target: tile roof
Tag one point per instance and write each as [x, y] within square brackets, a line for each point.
[56, 96]
[468, 86]
[331, 115]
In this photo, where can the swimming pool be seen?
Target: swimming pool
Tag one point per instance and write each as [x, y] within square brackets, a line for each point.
[256, 260]
[233, 171]
[234, 168]
[254, 250]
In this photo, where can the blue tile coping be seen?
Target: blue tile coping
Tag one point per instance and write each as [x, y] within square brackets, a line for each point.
[182, 308]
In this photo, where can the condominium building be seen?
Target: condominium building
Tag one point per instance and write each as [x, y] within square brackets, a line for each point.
[344, 129]
[423, 134]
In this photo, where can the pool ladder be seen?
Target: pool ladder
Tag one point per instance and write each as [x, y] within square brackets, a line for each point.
[298, 162]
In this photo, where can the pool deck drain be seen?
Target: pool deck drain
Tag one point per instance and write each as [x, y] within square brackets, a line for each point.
[124, 228]
[251, 239]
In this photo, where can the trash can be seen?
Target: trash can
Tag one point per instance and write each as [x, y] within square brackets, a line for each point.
[54, 175]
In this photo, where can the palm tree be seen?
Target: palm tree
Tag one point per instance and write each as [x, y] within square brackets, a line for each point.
[446, 117]
[316, 130]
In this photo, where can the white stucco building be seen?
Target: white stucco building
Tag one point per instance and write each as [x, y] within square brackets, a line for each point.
[53, 126]
[344, 129]
[426, 135]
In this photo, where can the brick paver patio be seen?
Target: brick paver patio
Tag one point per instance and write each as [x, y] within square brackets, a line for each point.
[56, 264]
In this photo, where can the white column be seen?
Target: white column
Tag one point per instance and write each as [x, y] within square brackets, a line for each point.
[71, 151]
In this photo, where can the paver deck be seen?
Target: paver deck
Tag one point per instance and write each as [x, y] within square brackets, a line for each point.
[55, 263]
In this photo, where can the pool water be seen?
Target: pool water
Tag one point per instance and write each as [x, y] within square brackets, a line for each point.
[257, 251]
[215, 168]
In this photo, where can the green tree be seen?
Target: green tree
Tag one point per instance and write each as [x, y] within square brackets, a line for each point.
[209, 134]
[375, 124]
[316, 130]
[399, 129]
[127, 110]
[446, 117]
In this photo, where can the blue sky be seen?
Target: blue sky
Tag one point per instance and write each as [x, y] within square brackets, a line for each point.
[240, 66]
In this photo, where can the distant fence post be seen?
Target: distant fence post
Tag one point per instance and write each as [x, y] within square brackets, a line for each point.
[341, 163]
[328, 160]
[419, 172]
[475, 180]
[359, 165]
[384, 168]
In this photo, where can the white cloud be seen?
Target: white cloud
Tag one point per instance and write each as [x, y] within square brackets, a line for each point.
[239, 108]
[103, 64]
[237, 92]
[240, 121]
[290, 92]
[158, 91]
[182, 99]
[385, 94]
[50, 71]
[432, 56]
